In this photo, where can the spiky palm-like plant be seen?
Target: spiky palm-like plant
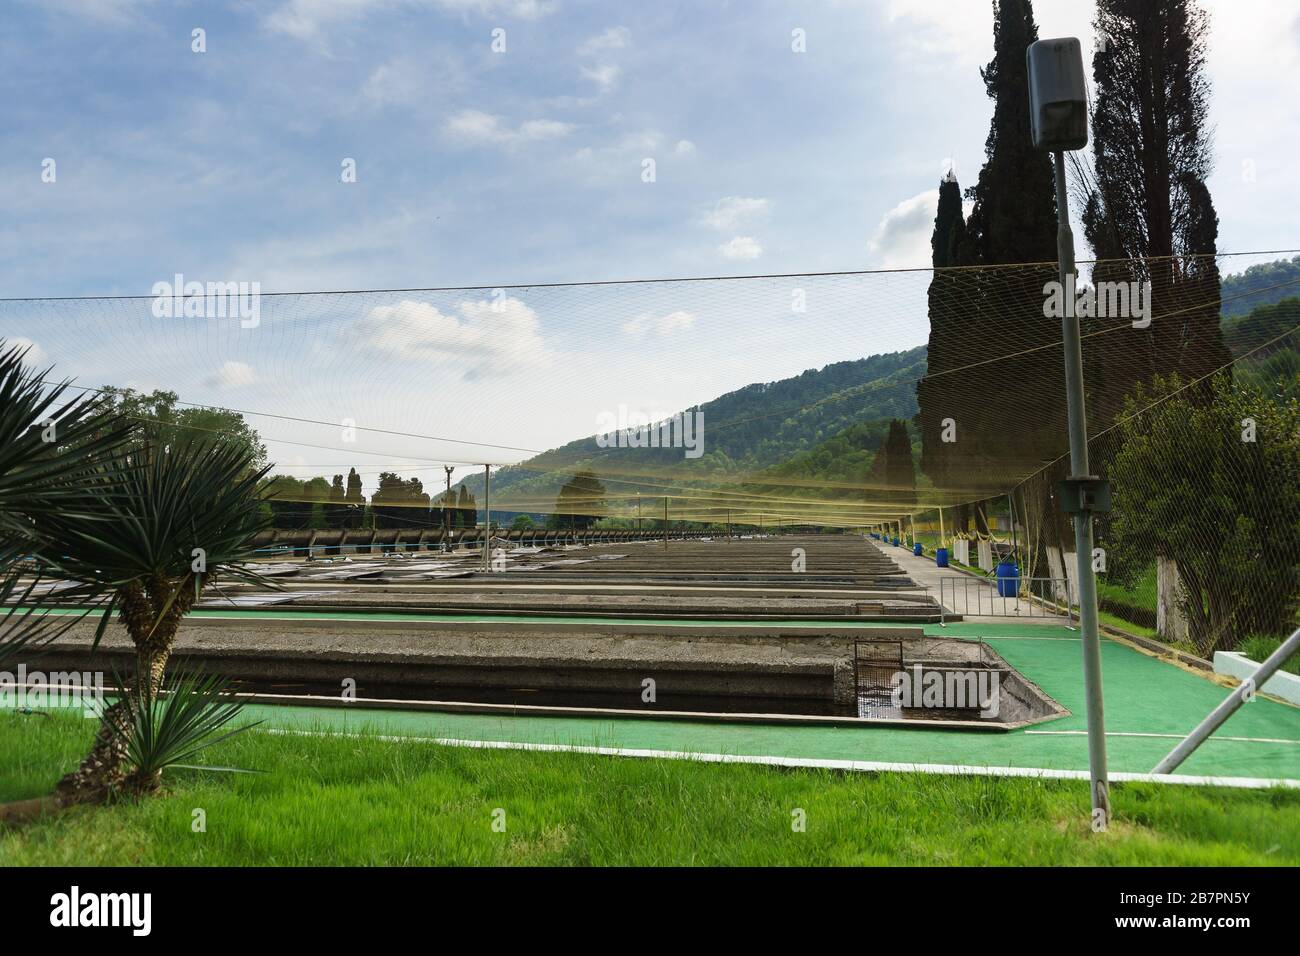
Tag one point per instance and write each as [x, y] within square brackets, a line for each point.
[165, 730]
[165, 521]
[48, 446]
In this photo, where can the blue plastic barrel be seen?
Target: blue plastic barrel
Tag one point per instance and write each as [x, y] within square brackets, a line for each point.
[896, 541]
[941, 557]
[1008, 573]
[916, 549]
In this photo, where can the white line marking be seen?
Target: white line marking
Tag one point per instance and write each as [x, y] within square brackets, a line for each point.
[864, 766]
[1109, 733]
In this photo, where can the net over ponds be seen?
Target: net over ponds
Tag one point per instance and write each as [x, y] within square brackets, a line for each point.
[856, 400]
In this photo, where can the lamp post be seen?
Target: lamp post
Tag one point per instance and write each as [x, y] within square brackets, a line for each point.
[446, 511]
[1058, 119]
[487, 517]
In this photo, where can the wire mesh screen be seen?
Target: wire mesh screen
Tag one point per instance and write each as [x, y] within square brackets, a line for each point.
[876, 666]
[930, 401]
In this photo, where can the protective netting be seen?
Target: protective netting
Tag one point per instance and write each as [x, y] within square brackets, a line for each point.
[401, 383]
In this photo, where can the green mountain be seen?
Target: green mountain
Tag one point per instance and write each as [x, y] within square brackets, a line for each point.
[746, 431]
[1267, 345]
[1262, 284]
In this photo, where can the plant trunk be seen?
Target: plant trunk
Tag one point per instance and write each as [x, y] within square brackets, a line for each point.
[23, 811]
[103, 771]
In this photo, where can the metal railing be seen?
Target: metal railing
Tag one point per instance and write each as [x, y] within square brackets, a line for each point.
[1029, 598]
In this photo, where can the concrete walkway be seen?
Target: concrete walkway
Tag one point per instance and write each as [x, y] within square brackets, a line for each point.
[965, 594]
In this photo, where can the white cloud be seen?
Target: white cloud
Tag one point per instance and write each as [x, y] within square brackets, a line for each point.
[475, 126]
[114, 12]
[605, 76]
[731, 212]
[678, 321]
[35, 354]
[486, 337]
[902, 239]
[312, 19]
[392, 83]
[951, 31]
[741, 247]
[684, 147]
[645, 141]
[231, 375]
[543, 129]
[615, 38]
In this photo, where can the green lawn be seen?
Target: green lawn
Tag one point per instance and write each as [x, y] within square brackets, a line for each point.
[365, 801]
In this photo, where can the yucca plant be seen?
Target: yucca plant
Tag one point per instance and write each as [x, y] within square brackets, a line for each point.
[48, 446]
[165, 520]
[190, 714]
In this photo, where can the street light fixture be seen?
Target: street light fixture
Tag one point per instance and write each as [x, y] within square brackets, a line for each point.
[1058, 121]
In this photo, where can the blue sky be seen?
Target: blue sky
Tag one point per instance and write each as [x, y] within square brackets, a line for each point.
[484, 168]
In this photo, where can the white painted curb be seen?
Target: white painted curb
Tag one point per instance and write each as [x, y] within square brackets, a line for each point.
[1281, 684]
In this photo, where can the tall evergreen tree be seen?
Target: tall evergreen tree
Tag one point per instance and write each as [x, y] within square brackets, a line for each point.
[1013, 219]
[355, 500]
[467, 509]
[1148, 205]
[1008, 411]
[336, 510]
[892, 476]
[581, 501]
[1012, 223]
[943, 353]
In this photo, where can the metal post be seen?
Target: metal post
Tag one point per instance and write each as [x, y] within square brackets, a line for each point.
[1011, 511]
[446, 510]
[1245, 691]
[1078, 427]
[942, 538]
[487, 517]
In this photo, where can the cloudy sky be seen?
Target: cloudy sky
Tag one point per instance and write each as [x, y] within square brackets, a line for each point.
[501, 143]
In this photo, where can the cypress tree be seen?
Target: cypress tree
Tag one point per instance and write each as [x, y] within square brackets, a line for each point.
[1149, 205]
[356, 501]
[937, 397]
[892, 476]
[581, 500]
[1012, 222]
[336, 510]
[468, 509]
[1013, 219]
[1008, 410]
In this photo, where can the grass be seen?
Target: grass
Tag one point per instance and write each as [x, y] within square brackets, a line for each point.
[1123, 624]
[365, 801]
[1135, 603]
[1258, 647]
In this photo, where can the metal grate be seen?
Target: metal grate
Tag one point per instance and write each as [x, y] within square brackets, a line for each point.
[1027, 597]
[875, 663]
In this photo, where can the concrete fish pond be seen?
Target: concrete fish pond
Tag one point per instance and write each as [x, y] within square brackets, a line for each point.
[825, 673]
